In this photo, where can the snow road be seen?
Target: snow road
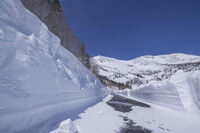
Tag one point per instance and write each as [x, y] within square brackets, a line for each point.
[157, 119]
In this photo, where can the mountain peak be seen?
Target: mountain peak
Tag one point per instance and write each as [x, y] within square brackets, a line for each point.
[175, 58]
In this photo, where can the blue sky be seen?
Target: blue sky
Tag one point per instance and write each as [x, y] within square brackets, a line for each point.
[125, 29]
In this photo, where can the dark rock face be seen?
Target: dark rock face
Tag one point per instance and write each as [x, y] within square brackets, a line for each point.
[50, 13]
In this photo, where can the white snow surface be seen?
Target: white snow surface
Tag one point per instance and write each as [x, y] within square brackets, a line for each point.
[102, 118]
[41, 83]
[175, 101]
[66, 126]
[180, 92]
[174, 108]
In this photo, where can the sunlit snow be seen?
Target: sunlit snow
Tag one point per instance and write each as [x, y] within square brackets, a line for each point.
[39, 79]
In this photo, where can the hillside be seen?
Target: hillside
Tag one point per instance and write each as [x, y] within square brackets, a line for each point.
[140, 71]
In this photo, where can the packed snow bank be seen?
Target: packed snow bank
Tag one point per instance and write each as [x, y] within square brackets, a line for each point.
[181, 91]
[100, 118]
[41, 83]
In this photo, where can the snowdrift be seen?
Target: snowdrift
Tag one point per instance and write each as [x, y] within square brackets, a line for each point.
[41, 83]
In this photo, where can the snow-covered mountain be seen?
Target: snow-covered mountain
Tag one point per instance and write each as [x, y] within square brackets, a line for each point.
[41, 83]
[133, 73]
[169, 80]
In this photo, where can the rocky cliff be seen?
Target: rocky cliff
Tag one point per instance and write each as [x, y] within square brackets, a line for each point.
[50, 13]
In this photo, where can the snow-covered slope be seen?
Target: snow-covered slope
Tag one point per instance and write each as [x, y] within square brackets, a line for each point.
[106, 119]
[41, 83]
[144, 69]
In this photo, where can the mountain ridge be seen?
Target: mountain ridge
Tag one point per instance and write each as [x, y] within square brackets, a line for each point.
[143, 69]
[152, 56]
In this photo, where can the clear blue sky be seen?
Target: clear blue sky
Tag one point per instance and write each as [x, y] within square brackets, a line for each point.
[125, 29]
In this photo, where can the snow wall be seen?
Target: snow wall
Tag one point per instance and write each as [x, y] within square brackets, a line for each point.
[180, 92]
[41, 83]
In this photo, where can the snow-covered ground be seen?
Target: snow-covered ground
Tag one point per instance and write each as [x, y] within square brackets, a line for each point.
[174, 108]
[172, 90]
[39, 79]
[102, 118]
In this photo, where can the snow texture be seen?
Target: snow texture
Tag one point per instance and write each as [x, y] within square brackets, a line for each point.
[41, 83]
[157, 118]
[181, 91]
[66, 126]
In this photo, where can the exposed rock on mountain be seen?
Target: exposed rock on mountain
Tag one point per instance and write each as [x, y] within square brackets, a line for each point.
[133, 73]
[50, 13]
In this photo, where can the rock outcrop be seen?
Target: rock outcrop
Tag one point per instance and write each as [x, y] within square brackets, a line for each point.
[50, 13]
